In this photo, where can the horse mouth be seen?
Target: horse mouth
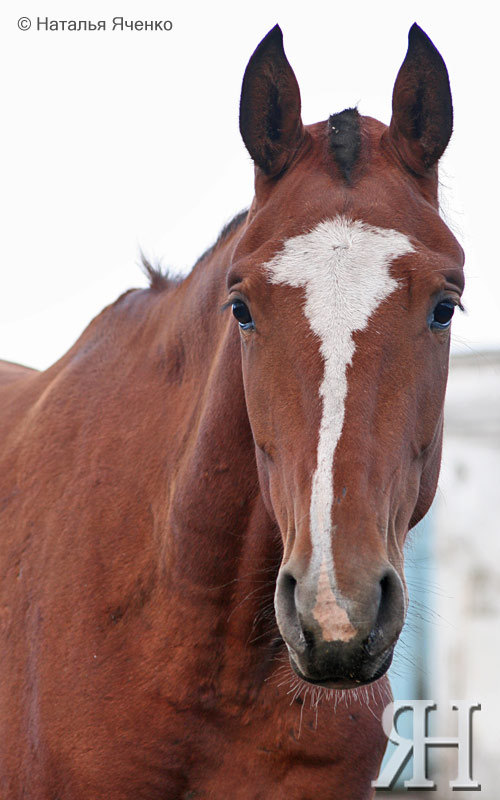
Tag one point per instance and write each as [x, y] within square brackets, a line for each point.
[361, 676]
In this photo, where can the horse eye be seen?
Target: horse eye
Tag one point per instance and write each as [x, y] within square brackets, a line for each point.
[441, 317]
[242, 314]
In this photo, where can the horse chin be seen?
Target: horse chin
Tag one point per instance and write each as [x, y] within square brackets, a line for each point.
[369, 673]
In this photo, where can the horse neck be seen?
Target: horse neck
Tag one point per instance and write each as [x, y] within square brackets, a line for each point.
[222, 549]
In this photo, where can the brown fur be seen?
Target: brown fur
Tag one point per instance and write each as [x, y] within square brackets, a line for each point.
[148, 484]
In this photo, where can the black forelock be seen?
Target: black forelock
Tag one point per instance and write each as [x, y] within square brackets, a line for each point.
[345, 139]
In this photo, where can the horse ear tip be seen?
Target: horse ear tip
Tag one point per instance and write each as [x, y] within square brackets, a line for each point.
[275, 36]
[417, 36]
[271, 43]
[271, 46]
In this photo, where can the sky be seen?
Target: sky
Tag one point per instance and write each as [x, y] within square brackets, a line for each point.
[117, 141]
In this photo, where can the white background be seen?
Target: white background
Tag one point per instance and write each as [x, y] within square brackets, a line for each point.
[114, 141]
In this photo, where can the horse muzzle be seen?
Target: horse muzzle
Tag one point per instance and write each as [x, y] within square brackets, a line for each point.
[334, 641]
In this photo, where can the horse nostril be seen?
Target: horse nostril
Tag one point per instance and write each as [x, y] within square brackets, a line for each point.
[286, 611]
[288, 584]
[386, 591]
[390, 614]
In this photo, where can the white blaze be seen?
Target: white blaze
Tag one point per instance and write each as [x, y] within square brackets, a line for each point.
[343, 265]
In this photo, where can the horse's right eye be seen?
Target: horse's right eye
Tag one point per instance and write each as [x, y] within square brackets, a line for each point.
[242, 314]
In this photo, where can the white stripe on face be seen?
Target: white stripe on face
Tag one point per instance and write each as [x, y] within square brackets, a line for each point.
[343, 265]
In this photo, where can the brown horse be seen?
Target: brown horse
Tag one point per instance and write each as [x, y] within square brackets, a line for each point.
[178, 468]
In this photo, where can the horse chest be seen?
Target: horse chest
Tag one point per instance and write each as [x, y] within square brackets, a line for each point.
[277, 749]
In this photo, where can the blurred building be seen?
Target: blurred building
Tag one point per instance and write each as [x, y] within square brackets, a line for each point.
[450, 648]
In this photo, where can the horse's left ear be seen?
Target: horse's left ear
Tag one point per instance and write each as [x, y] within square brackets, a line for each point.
[422, 111]
[270, 121]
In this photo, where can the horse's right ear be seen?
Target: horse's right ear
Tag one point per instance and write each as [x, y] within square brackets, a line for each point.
[270, 122]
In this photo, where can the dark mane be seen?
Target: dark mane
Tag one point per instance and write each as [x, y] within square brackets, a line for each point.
[160, 279]
[226, 231]
[345, 139]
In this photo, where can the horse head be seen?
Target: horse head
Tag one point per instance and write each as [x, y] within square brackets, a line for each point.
[343, 284]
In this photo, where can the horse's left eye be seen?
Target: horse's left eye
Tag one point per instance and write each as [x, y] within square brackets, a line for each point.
[242, 314]
[442, 314]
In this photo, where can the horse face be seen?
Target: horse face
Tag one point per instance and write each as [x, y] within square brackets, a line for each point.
[343, 285]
